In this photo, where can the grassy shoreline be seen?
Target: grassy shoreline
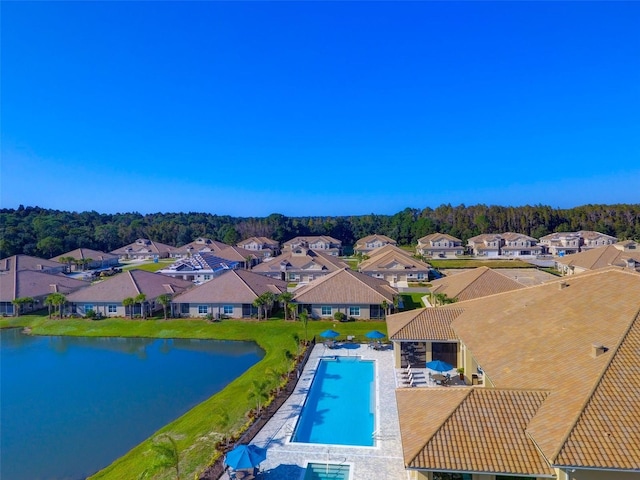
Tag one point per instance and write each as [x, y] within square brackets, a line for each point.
[225, 412]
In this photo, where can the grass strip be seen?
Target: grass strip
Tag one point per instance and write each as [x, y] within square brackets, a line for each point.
[197, 431]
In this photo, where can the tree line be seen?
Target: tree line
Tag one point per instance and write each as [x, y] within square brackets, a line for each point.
[48, 233]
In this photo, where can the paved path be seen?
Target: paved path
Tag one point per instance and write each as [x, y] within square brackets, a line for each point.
[287, 461]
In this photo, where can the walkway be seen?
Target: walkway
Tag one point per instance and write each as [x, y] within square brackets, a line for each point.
[287, 461]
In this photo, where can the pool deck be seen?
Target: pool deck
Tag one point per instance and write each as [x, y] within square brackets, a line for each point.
[287, 461]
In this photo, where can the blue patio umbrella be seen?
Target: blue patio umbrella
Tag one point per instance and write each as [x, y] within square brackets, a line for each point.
[329, 334]
[374, 334]
[245, 456]
[439, 366]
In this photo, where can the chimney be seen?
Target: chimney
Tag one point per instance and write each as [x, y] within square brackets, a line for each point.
[597, 349]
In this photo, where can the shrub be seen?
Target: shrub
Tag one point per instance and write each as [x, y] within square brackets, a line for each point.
[90, 314]
[339, 316]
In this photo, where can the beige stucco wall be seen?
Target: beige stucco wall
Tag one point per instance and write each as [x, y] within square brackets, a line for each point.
[596, 475]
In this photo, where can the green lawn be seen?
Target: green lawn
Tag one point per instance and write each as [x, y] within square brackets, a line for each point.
[474, 263]
[197, 430]
[412, 300]
[149, 267]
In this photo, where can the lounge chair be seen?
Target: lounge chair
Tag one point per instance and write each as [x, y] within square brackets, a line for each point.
[330, 344]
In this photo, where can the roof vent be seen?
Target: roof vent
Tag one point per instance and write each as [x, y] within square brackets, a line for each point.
[562, 285]
[598, 349]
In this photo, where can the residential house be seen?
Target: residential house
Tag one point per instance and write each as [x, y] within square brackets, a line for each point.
[519, 245]
[144, 249]
[440, 245]
[35, 284]
[324, 243]
[508, 244]
[199, 267]
[87, 258]
[229, 295]
[485, 245]
[558, 392]
[371, 242]
[299, 265]
[566, 243]
[105, 297]
[245, 258]
[622, 254]
[470, 284]
[262, 246]
[591, 239]
[27, 262]
[351, 293]
[199, 245]
[396, 267]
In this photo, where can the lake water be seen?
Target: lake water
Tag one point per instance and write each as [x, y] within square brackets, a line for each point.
[70, 406]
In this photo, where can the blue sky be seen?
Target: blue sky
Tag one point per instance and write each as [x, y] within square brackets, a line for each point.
[318, 108]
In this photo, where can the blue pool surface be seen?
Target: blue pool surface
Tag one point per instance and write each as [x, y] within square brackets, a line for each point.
[324, 471]
[340, 405]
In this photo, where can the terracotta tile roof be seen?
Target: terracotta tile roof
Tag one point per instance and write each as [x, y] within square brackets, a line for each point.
[129, 284]
[435, 237]
[541, 337]
[346, 287]
[607, 432]
[311, 260]
[386, 249]
[473, 430]
[259, 240]
[600, 257]
[33, 283]
[27, 262]
[143, 245]
[371, 238]
[393, 260]
[200, 244]
[236, 253]
[85, 253]
[475, 283]
[233, 286]
[312, 239]
[422, 324]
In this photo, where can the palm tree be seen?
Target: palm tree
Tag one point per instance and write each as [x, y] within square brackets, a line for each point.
[285, 298]
[167, 456]
[259, 303]
[19, 302]
[385, 307]
[128, 304]
[141, 298]
[49, 303]
[259, 392]
[269, 299]
[165, 301]
[57, 300]
[304, 318]
[68, 260]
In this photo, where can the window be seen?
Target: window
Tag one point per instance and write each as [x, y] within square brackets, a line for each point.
[451, 476]
[207, 277]
[227, 309]
[325, 311]
[354, 311]
[112, 308]
[88, 307]
[203, 309]
[421, 276]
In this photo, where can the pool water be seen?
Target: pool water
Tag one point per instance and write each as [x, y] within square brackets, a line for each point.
[326, 471]
[340, 405]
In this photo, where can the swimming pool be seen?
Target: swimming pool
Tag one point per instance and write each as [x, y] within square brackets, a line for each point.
[340, 405]
[326, 471]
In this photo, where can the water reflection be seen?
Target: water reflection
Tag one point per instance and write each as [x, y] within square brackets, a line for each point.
[71, 405]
